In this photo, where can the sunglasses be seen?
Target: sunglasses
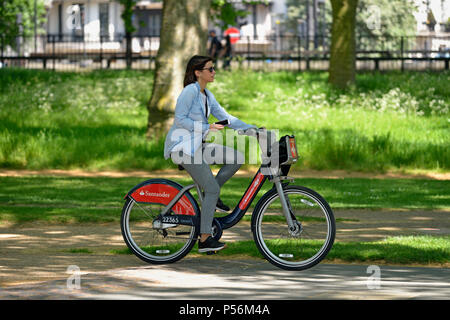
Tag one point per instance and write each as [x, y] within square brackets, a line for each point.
[210, 69]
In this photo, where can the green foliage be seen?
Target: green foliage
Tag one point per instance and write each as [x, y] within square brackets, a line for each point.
[100, 199]
[392, 23]
[79, 250]
[10, 9]
[297, 12]
[402, 249]
[372, 126]
[127, 14]
[399, 250]
[224, 13]
[97, 120]
[87, 115]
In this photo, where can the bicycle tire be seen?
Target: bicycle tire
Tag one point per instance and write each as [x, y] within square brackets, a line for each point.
[296, 250]
[137, 229]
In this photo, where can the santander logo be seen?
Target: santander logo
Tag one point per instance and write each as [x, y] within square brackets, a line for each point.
[163, 194]
[146, 193]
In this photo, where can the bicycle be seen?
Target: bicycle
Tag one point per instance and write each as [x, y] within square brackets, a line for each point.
[293, 226]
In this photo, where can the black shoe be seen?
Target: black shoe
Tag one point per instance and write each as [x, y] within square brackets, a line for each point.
[220, 206]
[210, 244]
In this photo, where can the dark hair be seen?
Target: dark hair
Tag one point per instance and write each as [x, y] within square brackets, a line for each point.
[195, 63]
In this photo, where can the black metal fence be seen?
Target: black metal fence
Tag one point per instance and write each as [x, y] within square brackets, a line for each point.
[74, 52]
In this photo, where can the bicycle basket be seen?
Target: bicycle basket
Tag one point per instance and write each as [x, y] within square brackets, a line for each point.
[287, 150]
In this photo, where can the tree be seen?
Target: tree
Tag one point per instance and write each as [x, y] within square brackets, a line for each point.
[377, 26]
[184, 32]
[297, 16]
[127, 17]
[9, 12]
[342, 52]
[396, 18]
[224, 13]
[398, 22]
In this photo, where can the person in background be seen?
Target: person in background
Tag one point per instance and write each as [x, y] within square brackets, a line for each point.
[228, 53]
[215, 47]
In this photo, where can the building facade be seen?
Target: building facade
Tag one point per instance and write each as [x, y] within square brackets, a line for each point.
[92, 20]
[84, 19]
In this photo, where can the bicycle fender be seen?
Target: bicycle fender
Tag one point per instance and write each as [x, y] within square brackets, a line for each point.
[163, 191]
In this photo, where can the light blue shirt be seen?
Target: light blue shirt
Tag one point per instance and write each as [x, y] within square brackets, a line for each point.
[190, 123]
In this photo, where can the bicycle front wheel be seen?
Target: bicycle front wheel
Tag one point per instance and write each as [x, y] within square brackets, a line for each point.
[305, 245]
[146, 235]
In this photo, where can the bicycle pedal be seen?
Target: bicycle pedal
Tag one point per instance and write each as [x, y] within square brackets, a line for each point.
[211, 252]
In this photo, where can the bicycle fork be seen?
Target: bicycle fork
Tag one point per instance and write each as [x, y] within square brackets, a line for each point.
[285, 204]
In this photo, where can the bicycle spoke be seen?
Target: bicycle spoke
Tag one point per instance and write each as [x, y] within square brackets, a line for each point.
[151, 244]
[294, 249]
[140, 207]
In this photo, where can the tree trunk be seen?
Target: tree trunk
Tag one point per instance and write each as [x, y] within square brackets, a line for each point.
[128, 49]
[342, 55]
[184, 33]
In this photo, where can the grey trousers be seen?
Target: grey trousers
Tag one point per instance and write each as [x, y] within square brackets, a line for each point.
[201, 173]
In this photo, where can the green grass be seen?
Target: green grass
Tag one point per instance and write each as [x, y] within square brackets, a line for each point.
[97, 120]
[80, 250]
[396, 250]
[100, 199]
[403, 250]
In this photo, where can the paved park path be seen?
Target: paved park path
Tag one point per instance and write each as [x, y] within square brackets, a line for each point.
[38, 261]
[209, 278]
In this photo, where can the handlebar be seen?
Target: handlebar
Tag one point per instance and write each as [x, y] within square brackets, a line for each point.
[252, 132]
[266, 139]
[271, 153]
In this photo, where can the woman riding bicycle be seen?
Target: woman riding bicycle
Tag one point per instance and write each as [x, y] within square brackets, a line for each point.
[185, 143]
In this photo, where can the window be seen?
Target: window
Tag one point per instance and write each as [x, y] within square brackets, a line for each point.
[104, 19]
[77, 21]
[154, 23]
[149, 23]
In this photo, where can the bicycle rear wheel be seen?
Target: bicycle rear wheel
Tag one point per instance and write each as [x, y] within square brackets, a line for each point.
[145, 234]
[308, 243]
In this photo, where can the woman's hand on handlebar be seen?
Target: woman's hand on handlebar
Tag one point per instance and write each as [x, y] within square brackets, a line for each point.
[215, 127]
